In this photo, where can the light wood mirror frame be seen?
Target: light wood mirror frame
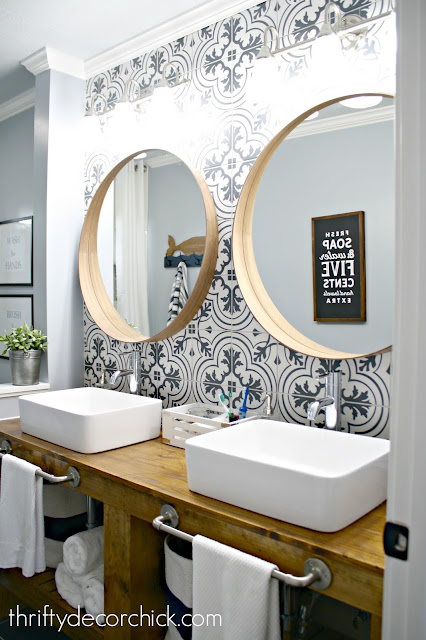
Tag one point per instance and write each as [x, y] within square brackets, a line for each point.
[95, 296]
[249, 280]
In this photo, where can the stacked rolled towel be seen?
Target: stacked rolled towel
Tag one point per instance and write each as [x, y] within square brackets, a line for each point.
[93, 593]
[84, 551]
[82, 591]
[80, 577]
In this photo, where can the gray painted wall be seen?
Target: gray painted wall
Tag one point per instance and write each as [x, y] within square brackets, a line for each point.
[326, 174]
[175, 208]
[59, 165]
[16, 188]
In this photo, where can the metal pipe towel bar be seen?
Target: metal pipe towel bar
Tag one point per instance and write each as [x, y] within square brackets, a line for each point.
[317, 573]
[73, 476]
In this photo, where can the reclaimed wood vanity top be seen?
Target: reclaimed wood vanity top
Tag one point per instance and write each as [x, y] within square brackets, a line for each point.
[139, 478]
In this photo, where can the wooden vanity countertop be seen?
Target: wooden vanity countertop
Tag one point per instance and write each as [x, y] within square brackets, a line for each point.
[139, 478]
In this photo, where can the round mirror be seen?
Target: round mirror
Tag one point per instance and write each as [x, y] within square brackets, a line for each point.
[148, 247]
[313, 240]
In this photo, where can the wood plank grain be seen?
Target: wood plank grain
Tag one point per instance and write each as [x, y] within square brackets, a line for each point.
[376, 628]
[138, 479]
[31, 592]
[8, 601]
[133, 568]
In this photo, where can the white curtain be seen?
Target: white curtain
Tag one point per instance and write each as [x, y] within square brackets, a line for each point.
[131, 225]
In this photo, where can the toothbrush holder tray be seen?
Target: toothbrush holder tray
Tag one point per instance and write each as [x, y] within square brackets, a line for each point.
[188, 420]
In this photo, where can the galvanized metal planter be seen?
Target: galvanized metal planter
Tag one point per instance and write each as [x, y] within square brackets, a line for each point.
[25, 367]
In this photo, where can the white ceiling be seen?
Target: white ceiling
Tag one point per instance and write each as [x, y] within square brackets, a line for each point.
[87, 28]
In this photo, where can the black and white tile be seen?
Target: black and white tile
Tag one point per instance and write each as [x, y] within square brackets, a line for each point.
[217, 128]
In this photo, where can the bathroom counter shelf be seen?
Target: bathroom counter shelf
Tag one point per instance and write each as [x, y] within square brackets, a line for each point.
[40, 590]
[135, 481]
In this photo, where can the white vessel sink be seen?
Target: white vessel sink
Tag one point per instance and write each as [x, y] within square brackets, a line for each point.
[315, 478]
[89, 419]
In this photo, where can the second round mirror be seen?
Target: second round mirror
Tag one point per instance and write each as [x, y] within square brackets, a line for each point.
[340, 163]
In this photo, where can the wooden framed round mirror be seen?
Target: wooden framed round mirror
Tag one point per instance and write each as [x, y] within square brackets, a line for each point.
[99, 284]
[331, 166]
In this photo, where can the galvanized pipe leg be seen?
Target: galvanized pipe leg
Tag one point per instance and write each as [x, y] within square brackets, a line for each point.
[91, 513]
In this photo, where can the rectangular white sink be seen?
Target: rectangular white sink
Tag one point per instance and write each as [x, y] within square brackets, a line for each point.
[89, 419]
[315, 478]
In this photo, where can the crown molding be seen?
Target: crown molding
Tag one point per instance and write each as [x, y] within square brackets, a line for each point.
[48, 58]
[16, 105]
[346, 121]
[161, 161]
[184, 24]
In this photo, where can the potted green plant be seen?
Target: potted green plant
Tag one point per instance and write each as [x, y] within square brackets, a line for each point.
[25, 345]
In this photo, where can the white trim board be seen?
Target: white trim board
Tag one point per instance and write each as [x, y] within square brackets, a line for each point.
[209, 13]
[18, 104]
[8, 390]
[346, 121]
[161, 161]
[48, 58]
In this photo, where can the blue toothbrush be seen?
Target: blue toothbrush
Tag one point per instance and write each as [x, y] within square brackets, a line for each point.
[243, 408]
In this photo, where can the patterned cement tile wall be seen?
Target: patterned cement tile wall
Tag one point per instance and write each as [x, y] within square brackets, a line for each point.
[224, 348]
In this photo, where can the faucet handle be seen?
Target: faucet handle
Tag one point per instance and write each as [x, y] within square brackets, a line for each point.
[329, 373]
[320, 376]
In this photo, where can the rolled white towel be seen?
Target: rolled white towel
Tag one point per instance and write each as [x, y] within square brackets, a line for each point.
[96, 574]
[71, 587]
[84, 551]
[68, 588]
[54, 552]
[93, 596]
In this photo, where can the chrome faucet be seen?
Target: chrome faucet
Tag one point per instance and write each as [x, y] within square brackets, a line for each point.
[134, 373]
[266, 414]
[267, 400]
[330, 403]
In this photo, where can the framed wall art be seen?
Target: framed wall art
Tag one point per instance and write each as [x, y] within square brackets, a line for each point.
[338, 258]
[14, 311]
[16, 252]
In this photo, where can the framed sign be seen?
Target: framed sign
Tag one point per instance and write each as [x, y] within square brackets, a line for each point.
[338, 257]
[14, 311]
[16, 252]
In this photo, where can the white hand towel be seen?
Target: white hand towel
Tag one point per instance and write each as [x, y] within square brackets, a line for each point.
[68, 588]
[84, 551]
[21, 517]
[237, 586]
[93, 595]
